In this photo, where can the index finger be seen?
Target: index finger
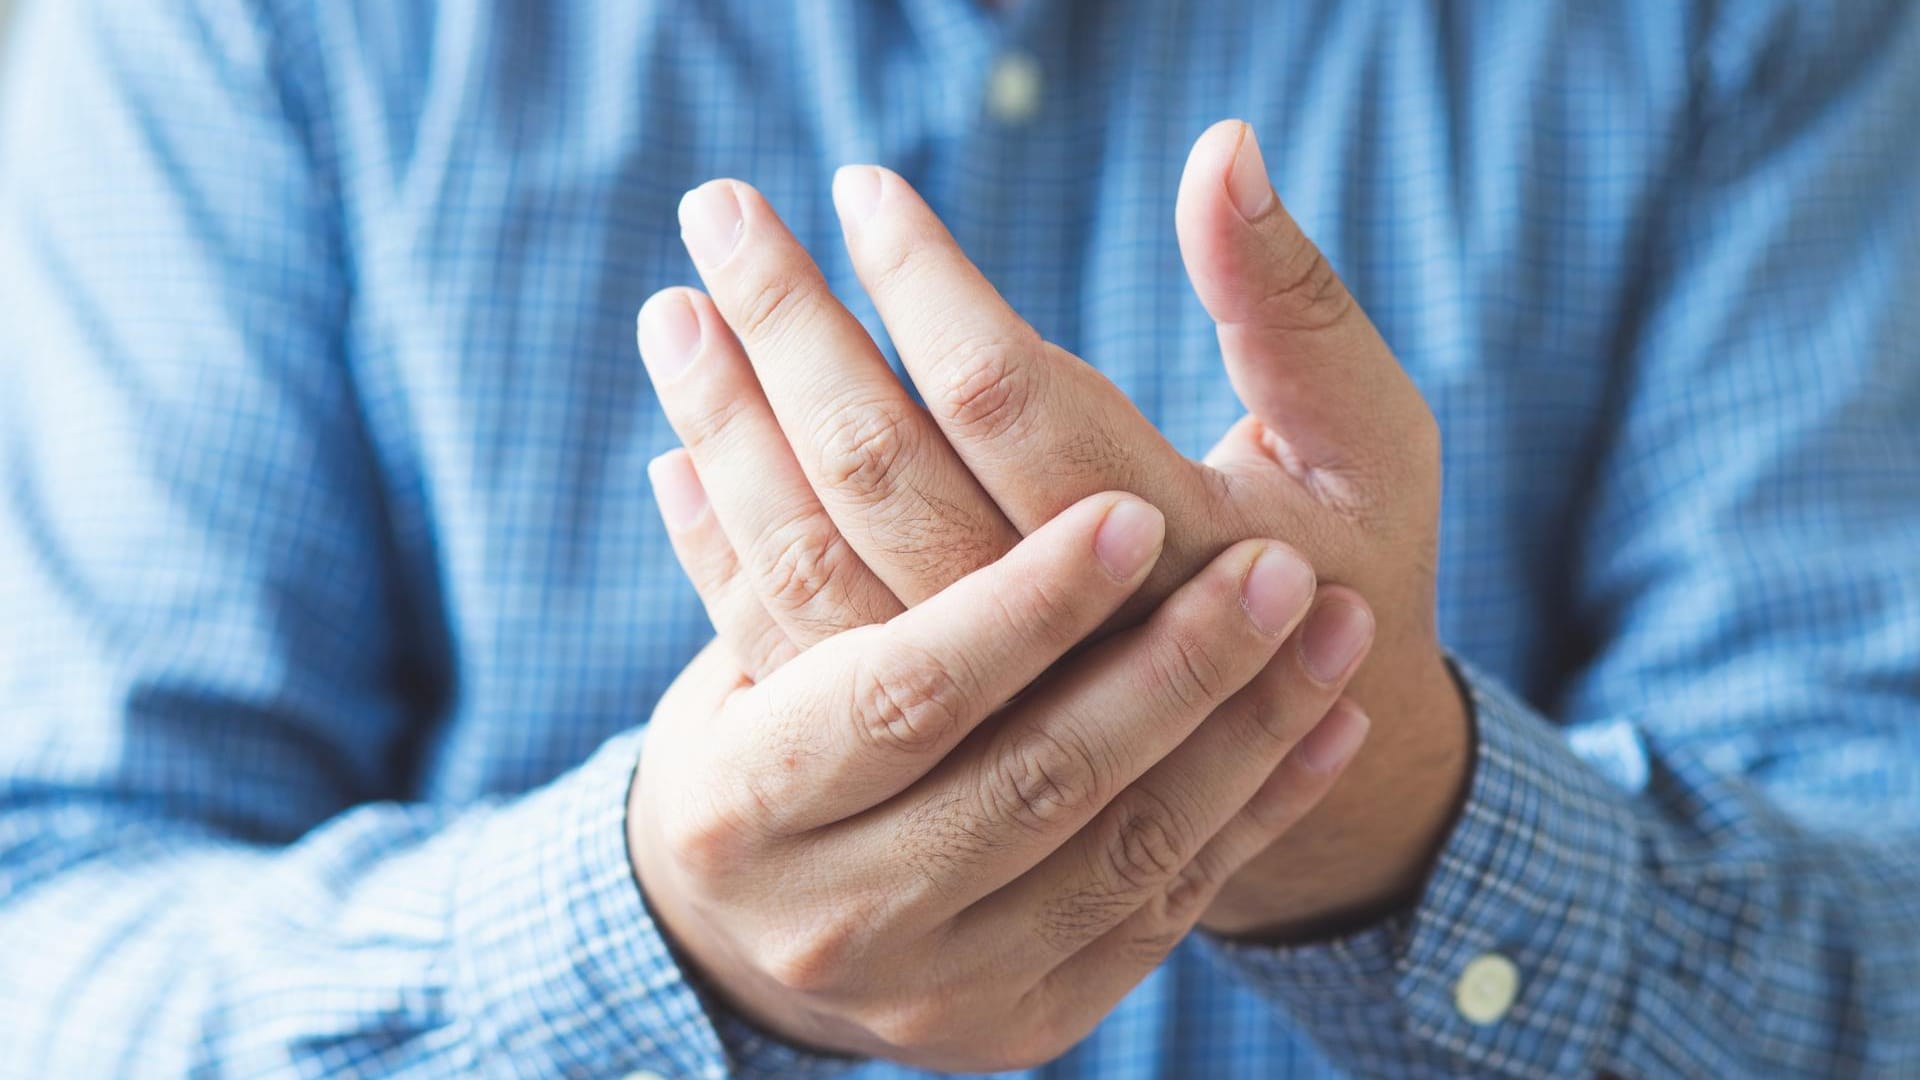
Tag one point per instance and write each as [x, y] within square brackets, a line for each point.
[1038, 426]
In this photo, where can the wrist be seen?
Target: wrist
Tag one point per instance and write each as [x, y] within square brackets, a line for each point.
[1367, 852]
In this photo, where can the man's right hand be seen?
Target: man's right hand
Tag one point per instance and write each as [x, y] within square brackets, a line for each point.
[879, 850]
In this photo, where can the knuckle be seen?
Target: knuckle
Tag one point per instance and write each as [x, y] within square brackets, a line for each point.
[712, 418]
[816, 962]
[863, 449]
[771, 302]
[1170, 913]
[1185, 896]
[1044, 781]
[1040, 607]
[1147, 845]
[1043, 1039]
[801, 561]
[1185, 672]
[1276, 724]
[988, 387]
[911, 1024]
[704, 839]
[1148, 947]
[911, 707]
[897, 262]
[1307, 294]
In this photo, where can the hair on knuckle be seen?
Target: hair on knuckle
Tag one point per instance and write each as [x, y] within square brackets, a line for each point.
[1094, 450]
[942, 837]
[935, 538]
[1068, 920]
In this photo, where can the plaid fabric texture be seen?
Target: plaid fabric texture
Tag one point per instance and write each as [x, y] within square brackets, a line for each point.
[332, 600]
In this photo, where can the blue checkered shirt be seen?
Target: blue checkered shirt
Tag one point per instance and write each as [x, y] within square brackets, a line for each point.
[333, 602]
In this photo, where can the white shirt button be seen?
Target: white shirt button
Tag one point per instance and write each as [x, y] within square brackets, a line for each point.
[643, 1074]
[1013, 89]
[1487, 987]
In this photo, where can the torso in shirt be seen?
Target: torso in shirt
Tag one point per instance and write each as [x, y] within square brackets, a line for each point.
[1481, 175]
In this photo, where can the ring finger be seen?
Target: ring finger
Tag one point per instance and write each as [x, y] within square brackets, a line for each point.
[811, 582]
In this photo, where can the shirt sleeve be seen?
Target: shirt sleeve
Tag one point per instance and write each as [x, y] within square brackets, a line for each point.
[213, 675]
[1701, 857]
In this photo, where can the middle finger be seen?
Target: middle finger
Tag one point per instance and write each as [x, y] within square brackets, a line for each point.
[899, 493]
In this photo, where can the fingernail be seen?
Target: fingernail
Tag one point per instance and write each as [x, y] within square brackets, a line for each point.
[856, 191]
[677, 489]
[1277, 586]
[710, 222]
[1336, 634]
[1247, 182]
[669, 334]
[1334, 740]
[1128, 539]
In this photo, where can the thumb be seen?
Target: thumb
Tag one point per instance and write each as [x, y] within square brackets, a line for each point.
[1300, 353]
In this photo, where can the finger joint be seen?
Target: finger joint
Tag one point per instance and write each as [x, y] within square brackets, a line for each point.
[1307, 294]
[912, 707]
[989, 387]
[1044, 781]
[1185, 672]
[863, 448]
[802, 563]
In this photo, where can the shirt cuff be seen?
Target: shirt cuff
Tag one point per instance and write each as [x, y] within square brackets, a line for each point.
[1538, 874]
[558, 963]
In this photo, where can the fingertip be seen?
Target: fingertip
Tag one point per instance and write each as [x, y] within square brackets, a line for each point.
[712, 217]
[668, 330]
[1208, 164]
[1337, 635]
[856, 192]
[1216, 238]
[677, 490]
[1277, 588]
[1333, 742]
[1129, 537]
[1246, 180]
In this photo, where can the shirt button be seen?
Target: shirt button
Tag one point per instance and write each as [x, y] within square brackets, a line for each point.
[1013, 89]
[643, 1074]
[1486, 989]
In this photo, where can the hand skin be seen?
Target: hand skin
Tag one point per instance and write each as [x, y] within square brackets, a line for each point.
[842, 501]
[871, 851]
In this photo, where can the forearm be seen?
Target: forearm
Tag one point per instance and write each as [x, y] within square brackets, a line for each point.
[1677, 925]
[393, 940]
